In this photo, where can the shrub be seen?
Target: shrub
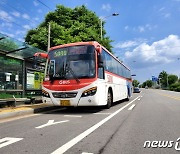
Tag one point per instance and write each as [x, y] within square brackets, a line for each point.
[175, 87]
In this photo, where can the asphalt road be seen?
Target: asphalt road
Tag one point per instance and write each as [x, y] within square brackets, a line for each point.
[152, 116]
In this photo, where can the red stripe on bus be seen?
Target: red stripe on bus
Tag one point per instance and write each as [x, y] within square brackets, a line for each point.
[67, 85]
[130, 80]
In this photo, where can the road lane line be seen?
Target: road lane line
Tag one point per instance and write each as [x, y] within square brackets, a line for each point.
[86, 153]
[29, 115]
[8, 140]
[103, 113]
[78, 138]
[132, 107]
[73, 116]
[170, 96]
[51, 122]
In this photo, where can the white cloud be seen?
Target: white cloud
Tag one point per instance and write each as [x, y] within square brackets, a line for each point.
[106, 7]
[126, 27]
[39, 11]
[8, 34]
[167, 15]
[25, 16]
[130, 43]
[36, 18]
[160, 52]
[5, 16]
[20, 32]
[35, 3]
[6, 24]
[27, 27]
[21, 39]
[141, 29]
[16, 14]
[161, 9]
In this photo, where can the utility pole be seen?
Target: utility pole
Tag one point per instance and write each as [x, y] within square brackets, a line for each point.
[49, 36]
[48, 47]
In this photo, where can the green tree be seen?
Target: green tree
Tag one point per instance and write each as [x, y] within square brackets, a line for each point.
[135, 83]
[172, 79]
[163, 78]
[175, 86]
[8, 45]
[67, 26]
[148, 83]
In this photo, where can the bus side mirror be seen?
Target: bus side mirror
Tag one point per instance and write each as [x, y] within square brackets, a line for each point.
[36, 55]
[42, 55]
[98, 49]
[100, 61]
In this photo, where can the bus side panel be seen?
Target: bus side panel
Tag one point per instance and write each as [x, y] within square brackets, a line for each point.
[102, 92]
[118, 85]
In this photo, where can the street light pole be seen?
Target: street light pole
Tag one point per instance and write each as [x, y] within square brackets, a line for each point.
[101, 19]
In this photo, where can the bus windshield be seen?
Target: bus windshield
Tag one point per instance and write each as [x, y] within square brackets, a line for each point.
[72, 62]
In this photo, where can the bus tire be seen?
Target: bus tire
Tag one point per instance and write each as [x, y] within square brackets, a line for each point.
[109, 99]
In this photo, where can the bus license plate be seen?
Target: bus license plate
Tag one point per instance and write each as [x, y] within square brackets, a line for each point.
[65, 102]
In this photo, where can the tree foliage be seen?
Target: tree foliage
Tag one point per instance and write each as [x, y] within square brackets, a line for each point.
[147, 83]
[67, 26]
[8, 45]
[135, 83]
[172, 79]
[163, 78]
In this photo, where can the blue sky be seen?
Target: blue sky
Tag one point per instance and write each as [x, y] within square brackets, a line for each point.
[146, 33]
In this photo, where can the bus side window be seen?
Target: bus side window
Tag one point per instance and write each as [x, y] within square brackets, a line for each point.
[101, 73]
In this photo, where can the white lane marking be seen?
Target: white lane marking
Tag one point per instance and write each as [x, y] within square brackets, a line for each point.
[103, 113]
[78, 138]
[8, 140]
[73, 116]
[139, 99]
[86, 153]
[29, 115]
[132, 107]
[51, 122]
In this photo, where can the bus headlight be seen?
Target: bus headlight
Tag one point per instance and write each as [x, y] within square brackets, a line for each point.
[45, 94]
[89, 92]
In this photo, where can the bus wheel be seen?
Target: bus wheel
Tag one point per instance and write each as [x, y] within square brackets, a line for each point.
[109, 99]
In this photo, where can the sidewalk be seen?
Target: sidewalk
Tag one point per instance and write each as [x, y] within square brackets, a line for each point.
[24, 109]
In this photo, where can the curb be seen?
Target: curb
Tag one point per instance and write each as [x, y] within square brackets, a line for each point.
[26, 111]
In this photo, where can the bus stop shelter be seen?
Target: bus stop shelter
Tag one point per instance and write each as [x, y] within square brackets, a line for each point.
[17, 75]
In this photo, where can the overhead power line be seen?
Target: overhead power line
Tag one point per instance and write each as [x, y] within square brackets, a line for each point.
[44, 4]
[17, 10]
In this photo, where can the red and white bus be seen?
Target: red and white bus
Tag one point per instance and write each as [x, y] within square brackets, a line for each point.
[84, 74]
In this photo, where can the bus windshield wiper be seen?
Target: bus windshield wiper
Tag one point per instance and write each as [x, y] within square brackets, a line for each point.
[69, 69]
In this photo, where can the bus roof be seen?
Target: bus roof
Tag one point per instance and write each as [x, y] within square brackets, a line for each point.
[76, 43]
[95, 43]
